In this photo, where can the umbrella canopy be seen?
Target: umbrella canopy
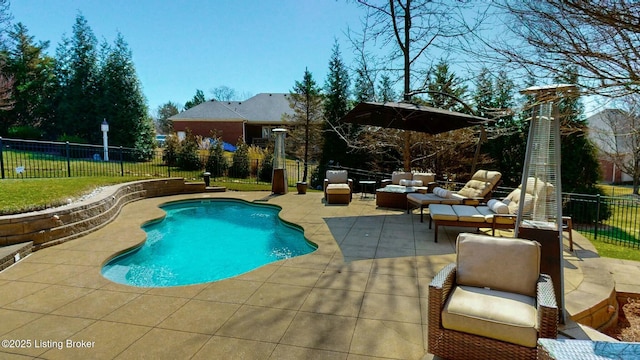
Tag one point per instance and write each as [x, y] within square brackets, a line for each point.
[412, 117]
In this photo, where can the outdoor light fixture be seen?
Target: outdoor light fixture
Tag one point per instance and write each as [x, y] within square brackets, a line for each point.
[105, 138]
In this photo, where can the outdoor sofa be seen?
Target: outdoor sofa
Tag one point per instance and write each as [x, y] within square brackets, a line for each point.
[422, 182]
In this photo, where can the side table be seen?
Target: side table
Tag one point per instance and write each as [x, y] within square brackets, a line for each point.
[364, 184]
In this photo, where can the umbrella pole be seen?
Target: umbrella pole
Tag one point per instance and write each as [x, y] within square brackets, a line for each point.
[476, 156]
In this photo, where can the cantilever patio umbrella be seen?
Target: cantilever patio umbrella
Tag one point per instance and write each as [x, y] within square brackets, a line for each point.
[412, 117]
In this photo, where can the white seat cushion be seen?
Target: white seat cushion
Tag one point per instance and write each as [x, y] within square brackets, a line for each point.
[494, 314]
[442, 212]
[337, 176]
[426, 199]
[335, 189]
[504, 264]
[468, 213]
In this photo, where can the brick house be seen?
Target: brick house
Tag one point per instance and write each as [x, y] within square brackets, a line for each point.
[611, 132]
[252, 119]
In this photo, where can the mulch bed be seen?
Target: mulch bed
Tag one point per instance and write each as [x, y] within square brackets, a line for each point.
[628, 328]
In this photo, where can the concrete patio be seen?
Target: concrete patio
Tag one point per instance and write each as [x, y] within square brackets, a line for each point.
[361, 295]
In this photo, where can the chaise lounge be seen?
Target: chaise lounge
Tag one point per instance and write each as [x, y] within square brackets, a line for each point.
[475, 191]
[496, 214]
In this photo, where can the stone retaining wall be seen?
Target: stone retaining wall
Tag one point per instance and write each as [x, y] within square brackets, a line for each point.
[56, 225]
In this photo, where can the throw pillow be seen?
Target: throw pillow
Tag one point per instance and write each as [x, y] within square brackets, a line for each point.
[498, 206]
[443, 193]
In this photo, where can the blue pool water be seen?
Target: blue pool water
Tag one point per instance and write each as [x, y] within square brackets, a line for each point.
[203, 241]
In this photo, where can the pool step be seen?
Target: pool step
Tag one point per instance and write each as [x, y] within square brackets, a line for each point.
[215, 189]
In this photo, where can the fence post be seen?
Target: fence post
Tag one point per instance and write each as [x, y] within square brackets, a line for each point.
[121, 163]
[1, 160]
[595, 230]
[68, 159]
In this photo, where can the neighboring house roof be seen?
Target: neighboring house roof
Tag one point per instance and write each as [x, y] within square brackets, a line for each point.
[263, 108]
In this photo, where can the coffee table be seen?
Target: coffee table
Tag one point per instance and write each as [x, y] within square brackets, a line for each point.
[393, 197]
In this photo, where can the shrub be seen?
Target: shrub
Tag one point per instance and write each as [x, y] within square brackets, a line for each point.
[216, 162]
[170, 152]
[265, 173]
[241, 167]
[25, 132]
[187, 156]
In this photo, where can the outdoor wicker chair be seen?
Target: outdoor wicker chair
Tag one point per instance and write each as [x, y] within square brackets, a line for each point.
[492, 303]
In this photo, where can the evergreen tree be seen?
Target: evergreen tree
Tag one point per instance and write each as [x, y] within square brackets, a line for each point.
[444, 87]
[507, 138]
[164, 112]
[171, 150]
[306, 101]
[187, 157]
[216, 162]
[122, 102]
[241, 168]
[266, 168]
[77, 75]
[364, 86]
[451, 152]
[198, 99]
[32, 72]
[335, 107]
[385, 89]
[580, 167]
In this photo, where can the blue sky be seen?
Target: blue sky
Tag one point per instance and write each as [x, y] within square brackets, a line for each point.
[251, 46]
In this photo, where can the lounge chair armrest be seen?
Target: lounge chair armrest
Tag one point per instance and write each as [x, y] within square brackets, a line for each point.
[439, 290]
[547, 308]
[472, 201]
[505, 216]
[350, 183]
[442, 284]
[385, 182]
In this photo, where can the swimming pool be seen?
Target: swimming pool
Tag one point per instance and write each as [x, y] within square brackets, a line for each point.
[207, 240]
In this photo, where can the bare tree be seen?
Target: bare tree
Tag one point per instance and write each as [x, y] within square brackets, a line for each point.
[408, 29]
[600, 37]
[224, 93]
[617, 134]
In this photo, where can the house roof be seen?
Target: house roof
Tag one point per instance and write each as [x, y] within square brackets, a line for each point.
[263, 108]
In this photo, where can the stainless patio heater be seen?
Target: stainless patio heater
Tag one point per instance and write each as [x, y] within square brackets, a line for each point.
[279, 184]
[540, 208]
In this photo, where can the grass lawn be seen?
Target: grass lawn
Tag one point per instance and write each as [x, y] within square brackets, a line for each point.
[24, 195]
[620, 219]
[35, 194]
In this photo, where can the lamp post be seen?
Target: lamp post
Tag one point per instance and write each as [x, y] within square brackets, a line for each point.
[105, 138]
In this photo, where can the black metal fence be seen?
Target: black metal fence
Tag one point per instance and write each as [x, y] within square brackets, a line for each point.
[21, 159]
[612, 219]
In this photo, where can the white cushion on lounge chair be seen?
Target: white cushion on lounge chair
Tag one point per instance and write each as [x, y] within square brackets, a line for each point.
[467, 213]
[442, 212]
[498, 206]
[440, 192]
